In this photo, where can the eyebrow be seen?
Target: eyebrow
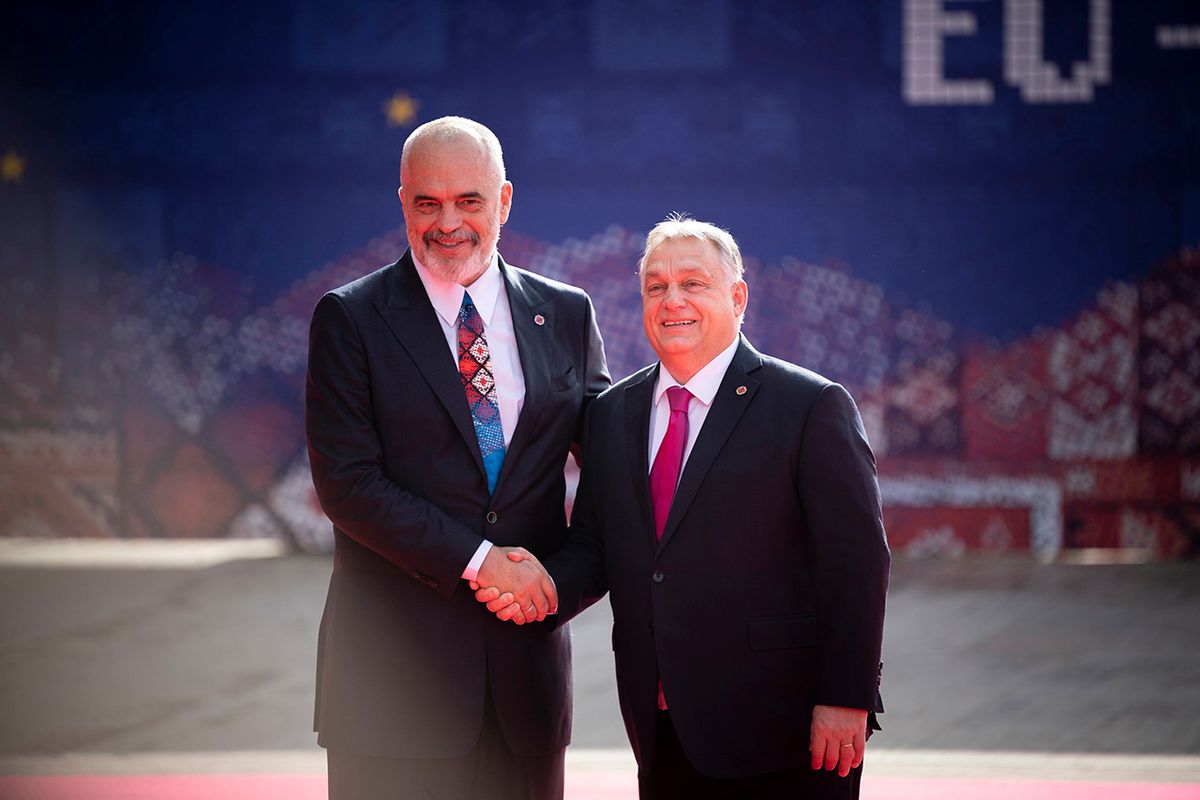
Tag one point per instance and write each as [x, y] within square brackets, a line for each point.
[463, 196]
[683, 269]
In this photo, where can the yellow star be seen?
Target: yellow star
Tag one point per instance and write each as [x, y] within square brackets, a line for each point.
[401, 110]
[12, 167]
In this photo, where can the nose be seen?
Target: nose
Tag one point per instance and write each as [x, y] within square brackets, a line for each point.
[449, 219]
[673, 297]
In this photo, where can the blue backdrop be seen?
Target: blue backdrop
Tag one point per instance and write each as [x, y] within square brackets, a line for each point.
[264, 136]
[974, 213]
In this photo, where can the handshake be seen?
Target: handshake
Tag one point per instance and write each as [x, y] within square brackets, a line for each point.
[515, 586]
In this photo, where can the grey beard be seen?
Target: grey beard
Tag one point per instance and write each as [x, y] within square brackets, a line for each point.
[456, 271]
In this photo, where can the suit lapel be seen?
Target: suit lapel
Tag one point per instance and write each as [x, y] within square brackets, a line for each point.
[412, 320]
[535, 348]
[638, 397]
[727, 408]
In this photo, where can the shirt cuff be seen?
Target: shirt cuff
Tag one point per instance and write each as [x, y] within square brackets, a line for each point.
[472, 570]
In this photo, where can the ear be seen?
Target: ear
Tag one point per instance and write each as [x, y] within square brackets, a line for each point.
[506, 191]
[400, 194]
[741, 296]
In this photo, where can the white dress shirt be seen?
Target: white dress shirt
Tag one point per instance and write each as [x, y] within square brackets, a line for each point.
[491, 301]
[703, 386]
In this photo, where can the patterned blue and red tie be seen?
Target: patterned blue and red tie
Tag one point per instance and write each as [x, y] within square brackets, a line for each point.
[475, 369]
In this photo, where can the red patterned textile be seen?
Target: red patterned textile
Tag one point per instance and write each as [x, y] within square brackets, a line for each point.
[1006, 402]
[925, 532]
[824, 319]
[924, 412]
[171, 406]
[1169, 358]
[1092, 371]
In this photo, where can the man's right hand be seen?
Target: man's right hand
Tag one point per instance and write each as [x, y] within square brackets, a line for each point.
[515, 585]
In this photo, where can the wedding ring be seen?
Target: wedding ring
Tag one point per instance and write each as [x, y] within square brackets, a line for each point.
[847, 744]
[532, 606]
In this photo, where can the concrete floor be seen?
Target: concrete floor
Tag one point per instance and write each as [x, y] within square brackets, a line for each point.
[187, 654]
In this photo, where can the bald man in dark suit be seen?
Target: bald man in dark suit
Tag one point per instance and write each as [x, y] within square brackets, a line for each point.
[444, 393]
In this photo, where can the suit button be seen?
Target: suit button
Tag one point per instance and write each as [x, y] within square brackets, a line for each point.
[651, 626]
[491, 517]
[657, 577]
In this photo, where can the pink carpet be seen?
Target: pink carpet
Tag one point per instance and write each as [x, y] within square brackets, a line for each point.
[579, 787]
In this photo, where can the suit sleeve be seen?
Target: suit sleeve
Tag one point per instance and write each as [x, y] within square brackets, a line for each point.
[347, 462]
[578, 568]
[595, 374]
[840, 492]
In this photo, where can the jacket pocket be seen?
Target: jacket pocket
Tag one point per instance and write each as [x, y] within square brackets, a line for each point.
[777, 633]
[565, 381]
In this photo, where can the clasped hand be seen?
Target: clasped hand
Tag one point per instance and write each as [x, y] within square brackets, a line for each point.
[515, 586]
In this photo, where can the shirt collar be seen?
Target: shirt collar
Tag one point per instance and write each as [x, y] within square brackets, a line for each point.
[447, 296]
[704, 384]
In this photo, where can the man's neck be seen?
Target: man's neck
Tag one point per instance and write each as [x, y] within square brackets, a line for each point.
[684, 366]
[466, 282]
[681, 371]
[440, 277]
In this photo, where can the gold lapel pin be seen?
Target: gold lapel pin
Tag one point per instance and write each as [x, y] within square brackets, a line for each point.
[538, 319]
[741, 390]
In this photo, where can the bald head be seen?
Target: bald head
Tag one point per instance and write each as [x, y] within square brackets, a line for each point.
[457, 133]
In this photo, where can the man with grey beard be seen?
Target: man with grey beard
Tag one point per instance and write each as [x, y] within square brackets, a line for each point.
[444, 393]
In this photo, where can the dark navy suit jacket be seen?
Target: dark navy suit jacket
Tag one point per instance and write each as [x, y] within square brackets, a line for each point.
[404, 649]
[765, 595]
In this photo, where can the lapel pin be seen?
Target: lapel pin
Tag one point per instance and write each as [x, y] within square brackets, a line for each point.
[741, 390]
[538, 319]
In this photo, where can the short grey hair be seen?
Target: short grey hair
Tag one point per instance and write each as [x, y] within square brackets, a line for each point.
[680, 226]
[452, 129]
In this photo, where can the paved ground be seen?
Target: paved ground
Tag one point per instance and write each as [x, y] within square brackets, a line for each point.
[137, 657]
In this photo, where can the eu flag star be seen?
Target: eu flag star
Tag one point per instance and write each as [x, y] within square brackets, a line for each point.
[12, 167]
[401, 110]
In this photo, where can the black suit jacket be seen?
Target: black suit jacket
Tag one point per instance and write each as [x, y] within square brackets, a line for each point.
[766, 593]
[405, 650]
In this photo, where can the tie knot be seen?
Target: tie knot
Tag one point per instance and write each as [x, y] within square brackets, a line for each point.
[678, 397]
[467, 313]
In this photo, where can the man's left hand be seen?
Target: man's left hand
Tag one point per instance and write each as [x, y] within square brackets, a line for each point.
[838, 738]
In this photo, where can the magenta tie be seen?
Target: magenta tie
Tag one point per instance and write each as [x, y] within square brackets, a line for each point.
[664, 475]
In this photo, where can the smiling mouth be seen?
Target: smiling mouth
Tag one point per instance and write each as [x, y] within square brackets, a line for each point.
[678, 324]
[451, 244]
